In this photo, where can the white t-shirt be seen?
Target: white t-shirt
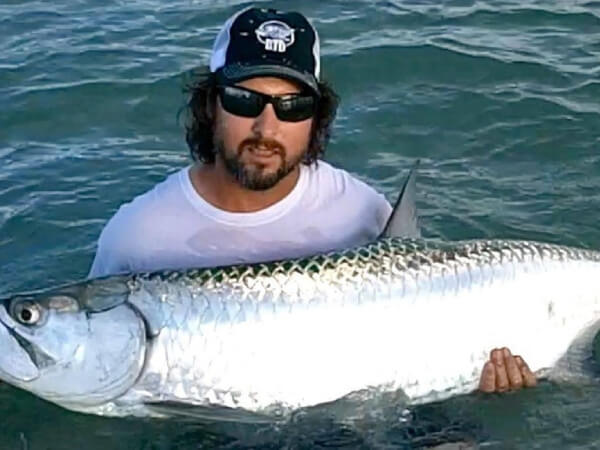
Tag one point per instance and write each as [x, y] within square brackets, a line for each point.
[173, 227]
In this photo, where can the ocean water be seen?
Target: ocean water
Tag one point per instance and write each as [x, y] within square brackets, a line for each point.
[499, 99]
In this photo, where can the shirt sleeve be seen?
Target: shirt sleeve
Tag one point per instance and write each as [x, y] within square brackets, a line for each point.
[111, 256]
[372, 209]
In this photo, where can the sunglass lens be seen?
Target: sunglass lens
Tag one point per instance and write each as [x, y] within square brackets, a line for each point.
[295, 108]
[241, 102]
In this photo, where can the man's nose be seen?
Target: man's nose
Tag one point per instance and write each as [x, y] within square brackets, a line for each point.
[267, 124]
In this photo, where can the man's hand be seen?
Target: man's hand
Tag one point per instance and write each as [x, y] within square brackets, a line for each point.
[505, 372]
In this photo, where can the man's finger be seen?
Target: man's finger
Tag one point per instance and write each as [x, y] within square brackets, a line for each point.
[513, 371]
[487, 382]
[501, 375]
[529, 378]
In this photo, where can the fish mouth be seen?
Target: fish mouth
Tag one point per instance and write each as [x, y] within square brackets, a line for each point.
[16, 363]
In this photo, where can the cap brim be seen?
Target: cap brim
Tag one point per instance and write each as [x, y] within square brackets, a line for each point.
[236, 72]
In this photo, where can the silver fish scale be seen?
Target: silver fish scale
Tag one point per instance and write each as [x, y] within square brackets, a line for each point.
[395, 256]
[290, 333]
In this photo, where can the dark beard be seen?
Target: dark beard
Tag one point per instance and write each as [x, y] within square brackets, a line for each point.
[252, 178]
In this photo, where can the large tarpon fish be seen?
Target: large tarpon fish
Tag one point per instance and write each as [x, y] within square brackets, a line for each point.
[397, 314]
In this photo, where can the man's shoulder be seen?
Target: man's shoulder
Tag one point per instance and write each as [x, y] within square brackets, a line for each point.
[340, 203]
[161, 195]
[336, 192]
[138, 226]
[335, 181]
[324, 168]
[146, 210]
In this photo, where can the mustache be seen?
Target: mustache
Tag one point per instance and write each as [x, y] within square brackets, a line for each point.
[259, 142]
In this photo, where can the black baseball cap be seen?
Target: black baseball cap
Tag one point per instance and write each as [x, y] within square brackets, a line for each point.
[265, 42]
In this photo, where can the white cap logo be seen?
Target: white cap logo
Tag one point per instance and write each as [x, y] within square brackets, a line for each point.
[276, 36]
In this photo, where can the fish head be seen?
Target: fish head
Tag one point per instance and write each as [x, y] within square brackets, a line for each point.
[71, 346]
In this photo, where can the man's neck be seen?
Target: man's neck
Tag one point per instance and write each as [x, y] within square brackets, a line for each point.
[215, 185]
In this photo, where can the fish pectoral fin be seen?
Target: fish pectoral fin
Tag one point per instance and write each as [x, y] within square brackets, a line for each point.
[210, 413]
[581, 362]
[403, 221]
[358, 405]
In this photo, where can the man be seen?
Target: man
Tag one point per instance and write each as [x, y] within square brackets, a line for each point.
[258, 123]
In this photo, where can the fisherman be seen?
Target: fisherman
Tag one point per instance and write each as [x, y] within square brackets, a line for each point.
[258, 124]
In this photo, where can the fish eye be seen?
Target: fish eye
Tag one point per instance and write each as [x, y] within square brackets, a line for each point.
[27, 313]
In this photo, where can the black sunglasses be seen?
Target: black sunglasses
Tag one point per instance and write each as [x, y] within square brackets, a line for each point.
[248, 103]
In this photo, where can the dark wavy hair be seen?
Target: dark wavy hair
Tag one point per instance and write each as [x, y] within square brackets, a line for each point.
[200, 117]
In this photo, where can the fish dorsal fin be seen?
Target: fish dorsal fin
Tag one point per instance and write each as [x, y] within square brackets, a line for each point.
[403, 221]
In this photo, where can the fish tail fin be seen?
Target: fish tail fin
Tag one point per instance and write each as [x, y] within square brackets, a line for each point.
[581, 361]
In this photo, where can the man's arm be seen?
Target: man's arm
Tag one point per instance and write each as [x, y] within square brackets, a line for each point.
[505, 372]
